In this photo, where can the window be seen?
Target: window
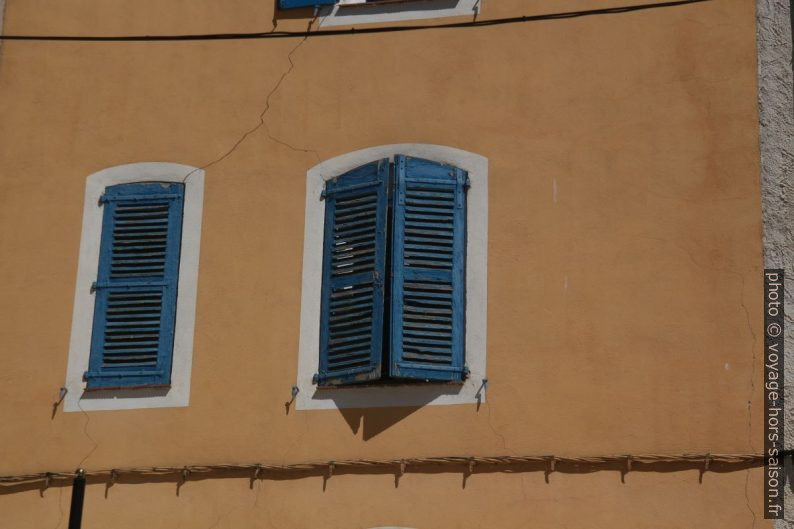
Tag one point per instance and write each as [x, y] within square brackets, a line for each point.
[293, 4]
[132, 327]
[394, 279]
[350, 12]
[394, 273]
[136, 288]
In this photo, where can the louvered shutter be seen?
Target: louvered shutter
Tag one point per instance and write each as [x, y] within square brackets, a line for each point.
[292, 4]
[136, 287]
[354, 262]
[428, 271]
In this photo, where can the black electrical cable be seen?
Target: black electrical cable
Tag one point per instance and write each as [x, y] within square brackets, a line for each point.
[352, 31]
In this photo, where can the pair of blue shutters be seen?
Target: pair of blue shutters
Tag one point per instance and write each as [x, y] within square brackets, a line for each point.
[419, 331]
[136, 287]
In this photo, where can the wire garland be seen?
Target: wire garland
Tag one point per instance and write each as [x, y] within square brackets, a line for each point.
[548, 463]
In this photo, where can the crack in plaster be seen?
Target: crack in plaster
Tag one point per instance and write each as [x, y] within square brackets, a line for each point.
[747, 497]
[496, 433]
[263, 114]
[752, 369]
[258, 491]
[85, 432]
[60, 508]
[270, 518]
[749, 326]
[220, 517]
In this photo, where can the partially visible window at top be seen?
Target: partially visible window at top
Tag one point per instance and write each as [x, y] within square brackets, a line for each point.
[136, 286]
[394, 285]
[291, 4]
[358, 2]
[347, 12]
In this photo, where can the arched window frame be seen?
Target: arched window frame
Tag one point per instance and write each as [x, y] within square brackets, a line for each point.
[471, 391]
[178, 393]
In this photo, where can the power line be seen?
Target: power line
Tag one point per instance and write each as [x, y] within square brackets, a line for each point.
[352, 31]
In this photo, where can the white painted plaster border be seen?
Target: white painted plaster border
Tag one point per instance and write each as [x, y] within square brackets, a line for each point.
[309, 396]
[350, 15]
[82, 318]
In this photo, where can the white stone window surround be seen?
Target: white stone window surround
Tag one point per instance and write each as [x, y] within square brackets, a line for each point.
[353, 12]
[309, 396]
[178, 394]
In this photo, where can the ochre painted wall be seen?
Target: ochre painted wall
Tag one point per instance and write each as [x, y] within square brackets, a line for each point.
[428, 501]
[624, 262]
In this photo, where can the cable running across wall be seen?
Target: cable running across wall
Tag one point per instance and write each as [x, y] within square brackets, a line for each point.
[351, 31]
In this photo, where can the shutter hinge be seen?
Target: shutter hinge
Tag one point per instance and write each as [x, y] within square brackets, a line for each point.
[323, 194]
[102, 199]
[462, 178]
[94, 286]
[378, 282]
[316, 379]
[465, 373]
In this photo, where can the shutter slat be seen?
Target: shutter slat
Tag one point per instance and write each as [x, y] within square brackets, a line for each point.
[409, 338]
[428, 286]
[361, 360]
[135, 308]
[354, 264]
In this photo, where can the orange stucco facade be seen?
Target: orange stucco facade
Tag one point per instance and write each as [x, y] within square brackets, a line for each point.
[624, 258]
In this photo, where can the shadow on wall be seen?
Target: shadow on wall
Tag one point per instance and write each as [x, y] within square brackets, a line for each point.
[369, 408]
[375, 420]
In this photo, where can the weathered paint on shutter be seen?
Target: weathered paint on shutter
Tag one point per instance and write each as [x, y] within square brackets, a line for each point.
[354, 263]
[136, 288]
[292, 4]
[428, 276]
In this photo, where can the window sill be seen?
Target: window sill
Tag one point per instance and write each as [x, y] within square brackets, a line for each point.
[118, 389]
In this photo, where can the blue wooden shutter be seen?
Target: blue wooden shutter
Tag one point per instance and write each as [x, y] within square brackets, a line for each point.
[292, 4]
[136, 288]
[428, 271]
[354, 262]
